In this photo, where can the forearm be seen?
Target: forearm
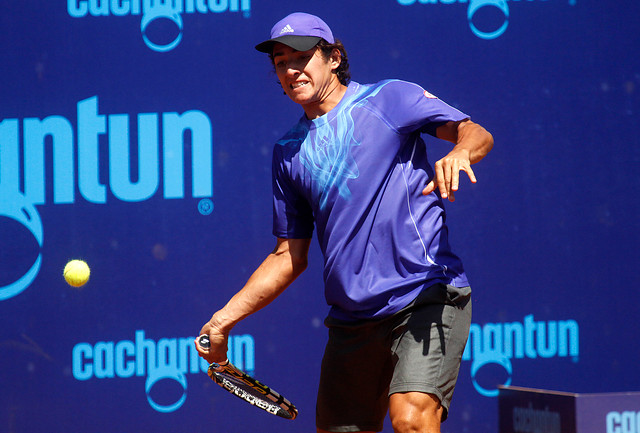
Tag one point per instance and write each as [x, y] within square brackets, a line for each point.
[473, 139]
[469, 138]
[270, 279]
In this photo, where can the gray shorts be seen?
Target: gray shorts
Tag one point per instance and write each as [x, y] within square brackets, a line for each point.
[417, 349]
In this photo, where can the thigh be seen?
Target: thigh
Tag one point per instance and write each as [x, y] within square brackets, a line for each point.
[354, 380]
[429, 344]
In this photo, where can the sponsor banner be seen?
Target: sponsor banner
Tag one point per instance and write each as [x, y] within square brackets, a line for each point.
[527, 410]
[164, 359]
[160, 137]
[154, 12]
[137, 135]
[500, 344]
[487, 19]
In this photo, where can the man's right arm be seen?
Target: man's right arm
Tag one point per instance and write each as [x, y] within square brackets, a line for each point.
[285, 263]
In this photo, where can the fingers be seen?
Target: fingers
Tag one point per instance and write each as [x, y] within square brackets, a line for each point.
[455, 177]
[211, 354]
[217, 350]
[471, 174]
[431, 186]
[202, 351]
[443, 177]
[447, 177]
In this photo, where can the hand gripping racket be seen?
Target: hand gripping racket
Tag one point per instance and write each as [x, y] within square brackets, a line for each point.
[247, 388]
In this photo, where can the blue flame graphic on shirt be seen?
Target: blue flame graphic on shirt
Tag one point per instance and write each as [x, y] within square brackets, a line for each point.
[327, 155]
[326, 149]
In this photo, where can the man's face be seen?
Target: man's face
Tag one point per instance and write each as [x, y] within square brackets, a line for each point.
[305, 76]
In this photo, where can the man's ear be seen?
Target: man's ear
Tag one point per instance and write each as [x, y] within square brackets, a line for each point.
[335, 59]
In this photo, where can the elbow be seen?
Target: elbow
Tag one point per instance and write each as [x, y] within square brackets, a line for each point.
[483, 144]
[486, 140]
[485, 136]
[484, 149]
[293, 254]
[489, 141]
[299, 264]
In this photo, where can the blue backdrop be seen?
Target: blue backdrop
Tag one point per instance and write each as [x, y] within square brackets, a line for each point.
[137, 135]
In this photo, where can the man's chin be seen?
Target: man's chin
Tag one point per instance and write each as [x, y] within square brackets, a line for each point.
[298, 98]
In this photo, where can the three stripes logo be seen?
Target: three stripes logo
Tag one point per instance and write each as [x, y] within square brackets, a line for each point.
[287, 29]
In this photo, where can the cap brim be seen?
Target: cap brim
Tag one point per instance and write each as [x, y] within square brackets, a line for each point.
[298, 43]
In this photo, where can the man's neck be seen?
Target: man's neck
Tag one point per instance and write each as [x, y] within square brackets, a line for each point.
[320, 108]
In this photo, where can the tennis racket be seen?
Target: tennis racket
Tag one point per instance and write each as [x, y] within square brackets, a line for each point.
[247, 388]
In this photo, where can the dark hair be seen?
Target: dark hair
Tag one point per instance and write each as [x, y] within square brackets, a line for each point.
[342, 71]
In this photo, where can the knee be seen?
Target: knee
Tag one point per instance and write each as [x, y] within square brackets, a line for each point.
[422, 423]
[405, 424]
[416, 414]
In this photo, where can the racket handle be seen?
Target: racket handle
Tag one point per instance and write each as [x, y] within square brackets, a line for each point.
[203, 341]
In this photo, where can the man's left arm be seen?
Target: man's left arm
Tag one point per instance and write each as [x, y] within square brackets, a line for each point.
[472, 143]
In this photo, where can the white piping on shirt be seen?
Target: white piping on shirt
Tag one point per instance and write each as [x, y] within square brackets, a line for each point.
[413, 220]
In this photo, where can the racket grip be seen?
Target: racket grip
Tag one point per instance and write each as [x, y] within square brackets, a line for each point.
[203, 341]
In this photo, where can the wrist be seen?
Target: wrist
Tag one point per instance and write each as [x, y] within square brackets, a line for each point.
[221, 322]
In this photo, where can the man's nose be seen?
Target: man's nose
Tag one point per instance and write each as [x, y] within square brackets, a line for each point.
[293, 70]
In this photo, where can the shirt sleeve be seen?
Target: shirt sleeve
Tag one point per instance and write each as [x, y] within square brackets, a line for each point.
[292, 215]
[409, 108]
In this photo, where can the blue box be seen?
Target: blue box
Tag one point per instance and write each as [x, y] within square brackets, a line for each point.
[529, 410]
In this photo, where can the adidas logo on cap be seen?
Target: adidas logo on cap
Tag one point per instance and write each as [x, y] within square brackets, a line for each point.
[286, 29]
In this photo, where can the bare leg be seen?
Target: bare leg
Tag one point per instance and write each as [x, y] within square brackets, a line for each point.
[415, 412]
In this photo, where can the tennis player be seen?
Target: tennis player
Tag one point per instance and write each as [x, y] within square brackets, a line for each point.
[355, 167]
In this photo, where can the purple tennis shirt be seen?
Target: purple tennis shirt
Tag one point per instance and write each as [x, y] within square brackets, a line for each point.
[357, 174]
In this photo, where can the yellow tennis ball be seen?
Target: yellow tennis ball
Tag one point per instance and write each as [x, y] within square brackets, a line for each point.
[76, 273]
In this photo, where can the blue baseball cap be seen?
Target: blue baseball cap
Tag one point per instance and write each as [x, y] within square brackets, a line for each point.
[298, 30]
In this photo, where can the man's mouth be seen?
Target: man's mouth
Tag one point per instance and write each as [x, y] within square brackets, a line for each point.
[299, 84]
